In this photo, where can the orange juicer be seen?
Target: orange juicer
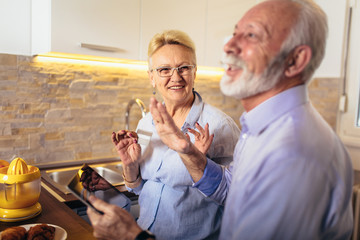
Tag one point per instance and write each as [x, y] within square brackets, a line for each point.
[20, 186]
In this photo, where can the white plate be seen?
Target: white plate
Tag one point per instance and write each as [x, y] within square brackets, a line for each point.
[60, 233]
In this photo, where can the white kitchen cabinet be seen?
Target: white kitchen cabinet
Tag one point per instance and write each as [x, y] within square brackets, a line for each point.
[332, 64]
[14, 41]
[113, 25]
[207, 22]
[222, 16]
[24, 26]
[38, 26]
[130, 24]
[186, 15]
[126, 26]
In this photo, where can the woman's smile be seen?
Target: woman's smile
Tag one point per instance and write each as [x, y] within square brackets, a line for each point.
[176, 87]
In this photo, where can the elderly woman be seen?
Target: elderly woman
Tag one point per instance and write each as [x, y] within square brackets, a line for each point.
[170, 206]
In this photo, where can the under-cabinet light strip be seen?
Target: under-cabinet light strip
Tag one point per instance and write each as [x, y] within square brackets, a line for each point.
[113, 62]
[130, 65]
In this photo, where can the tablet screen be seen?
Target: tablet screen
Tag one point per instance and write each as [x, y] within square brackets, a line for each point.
[88, 182]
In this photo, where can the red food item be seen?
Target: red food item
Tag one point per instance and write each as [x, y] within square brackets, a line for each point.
[41, 232]
[14, 233]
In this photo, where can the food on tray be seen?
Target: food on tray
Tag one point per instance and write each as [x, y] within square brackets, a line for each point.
[14, 233]
[41, 232]
[36, 232]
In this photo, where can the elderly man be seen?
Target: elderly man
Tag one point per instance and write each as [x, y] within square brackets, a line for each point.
[291, 177]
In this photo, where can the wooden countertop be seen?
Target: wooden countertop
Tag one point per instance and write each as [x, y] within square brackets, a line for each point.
[57, 213]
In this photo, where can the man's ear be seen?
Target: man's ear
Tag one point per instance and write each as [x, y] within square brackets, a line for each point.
[298, 60]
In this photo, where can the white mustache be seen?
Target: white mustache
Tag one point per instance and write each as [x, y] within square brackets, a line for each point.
[233, 61]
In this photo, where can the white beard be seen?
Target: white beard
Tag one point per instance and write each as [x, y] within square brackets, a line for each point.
[247, 84]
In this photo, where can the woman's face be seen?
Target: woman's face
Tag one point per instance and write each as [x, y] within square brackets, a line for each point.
[175, 89]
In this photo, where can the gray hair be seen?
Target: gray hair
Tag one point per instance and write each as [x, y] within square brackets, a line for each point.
[311, 29]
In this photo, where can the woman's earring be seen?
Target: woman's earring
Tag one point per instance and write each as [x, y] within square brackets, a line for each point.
[154, 92]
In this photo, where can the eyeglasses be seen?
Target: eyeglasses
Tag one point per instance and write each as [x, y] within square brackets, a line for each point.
[169, 71]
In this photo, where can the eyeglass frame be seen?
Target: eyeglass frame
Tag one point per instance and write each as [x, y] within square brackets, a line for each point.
[172, 70]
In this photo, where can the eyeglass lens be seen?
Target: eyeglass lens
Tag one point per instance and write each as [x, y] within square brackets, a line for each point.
[168, 71]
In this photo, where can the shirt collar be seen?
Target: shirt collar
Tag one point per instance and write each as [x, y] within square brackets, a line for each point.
[262, 115]
[194, 113]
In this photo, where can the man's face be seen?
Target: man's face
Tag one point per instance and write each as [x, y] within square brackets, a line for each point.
[256, 41]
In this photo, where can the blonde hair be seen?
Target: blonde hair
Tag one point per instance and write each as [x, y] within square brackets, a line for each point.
[170, 37]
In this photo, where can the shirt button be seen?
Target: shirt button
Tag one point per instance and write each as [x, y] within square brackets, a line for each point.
[243, 136]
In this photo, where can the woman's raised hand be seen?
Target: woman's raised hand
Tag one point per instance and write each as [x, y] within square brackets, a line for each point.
[203, 139]
[194, 160]
[126, 144]
[166, 128]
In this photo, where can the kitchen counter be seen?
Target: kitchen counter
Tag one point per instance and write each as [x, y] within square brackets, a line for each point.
[57, 213]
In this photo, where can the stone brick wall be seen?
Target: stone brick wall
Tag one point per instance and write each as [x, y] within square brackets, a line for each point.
[52, 112]
[324, 94]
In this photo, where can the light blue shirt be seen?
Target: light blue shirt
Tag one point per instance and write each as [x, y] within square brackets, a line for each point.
[291, 176]
[170, 206]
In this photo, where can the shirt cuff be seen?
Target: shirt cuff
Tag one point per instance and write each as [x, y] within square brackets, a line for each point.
[211, 178]
[136, 190]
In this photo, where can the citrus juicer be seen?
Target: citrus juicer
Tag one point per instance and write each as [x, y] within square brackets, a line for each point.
[20, 186]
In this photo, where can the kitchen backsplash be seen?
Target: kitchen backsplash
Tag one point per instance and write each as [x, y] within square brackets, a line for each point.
[54, 112]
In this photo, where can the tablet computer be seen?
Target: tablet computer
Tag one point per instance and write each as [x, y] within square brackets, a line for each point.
[87, 182]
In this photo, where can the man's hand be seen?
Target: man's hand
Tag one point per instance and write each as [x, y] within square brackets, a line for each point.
[115, 223]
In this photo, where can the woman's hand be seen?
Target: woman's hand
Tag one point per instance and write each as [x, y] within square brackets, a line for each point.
[166, 128]
[127, 147]
[203, 139]
[193, 159]
[126, 143]
[115, 223]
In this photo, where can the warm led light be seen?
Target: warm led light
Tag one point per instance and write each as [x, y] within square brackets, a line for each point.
[112, 62]
[91, 60]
